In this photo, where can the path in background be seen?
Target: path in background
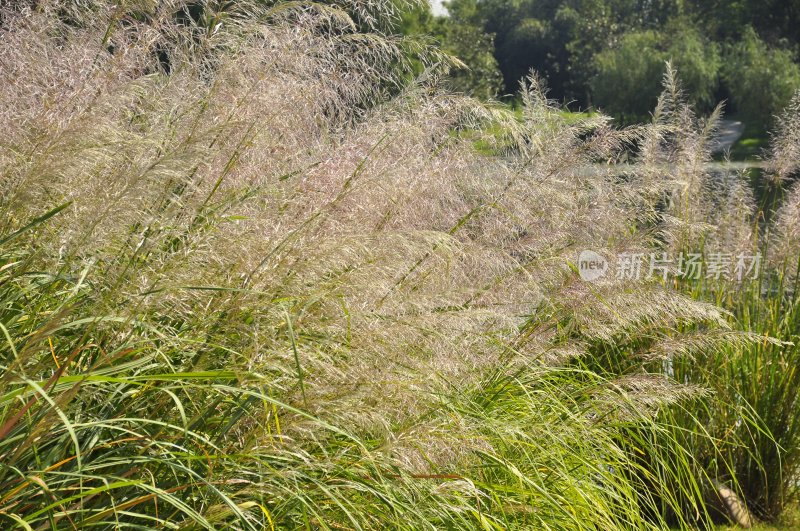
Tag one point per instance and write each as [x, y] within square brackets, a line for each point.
[729, 132]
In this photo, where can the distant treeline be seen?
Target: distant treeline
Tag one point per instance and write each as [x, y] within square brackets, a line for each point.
[611, 53]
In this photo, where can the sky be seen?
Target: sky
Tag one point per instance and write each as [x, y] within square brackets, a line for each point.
[438, 8]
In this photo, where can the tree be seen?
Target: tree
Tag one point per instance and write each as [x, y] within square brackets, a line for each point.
[482, 78]
[458, 36]
[761, 80]
[558, 38]
[628, 79]
[774, 20]
[697, 61]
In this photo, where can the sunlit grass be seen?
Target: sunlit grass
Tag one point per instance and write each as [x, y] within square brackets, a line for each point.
[253, 278]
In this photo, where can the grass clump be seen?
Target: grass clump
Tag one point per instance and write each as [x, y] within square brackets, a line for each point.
[250, 279]
[752, 413]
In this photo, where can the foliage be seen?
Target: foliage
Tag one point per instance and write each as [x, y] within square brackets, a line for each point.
[629, 77]
[761, 80]
[481, 78]
[697, 60]
[572, 45]
[777, 21]
[556, 39]
[477, 73]
[628, 80]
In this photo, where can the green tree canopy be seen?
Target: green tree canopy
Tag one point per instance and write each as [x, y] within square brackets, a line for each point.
[761, 80]
[628, 79]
